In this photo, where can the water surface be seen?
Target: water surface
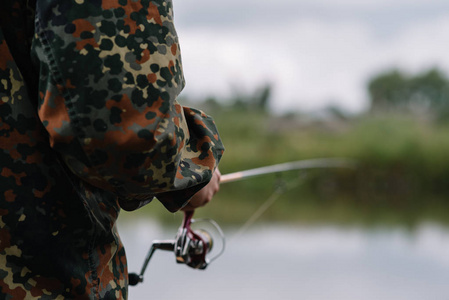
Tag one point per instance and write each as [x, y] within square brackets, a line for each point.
[316, 263]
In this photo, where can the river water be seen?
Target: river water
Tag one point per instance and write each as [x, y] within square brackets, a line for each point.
[283, 262]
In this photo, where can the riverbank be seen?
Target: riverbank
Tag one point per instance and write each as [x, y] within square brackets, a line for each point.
[402, 177]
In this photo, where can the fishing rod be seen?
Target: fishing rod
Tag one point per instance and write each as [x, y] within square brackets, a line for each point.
[289, 166]
[193, 247]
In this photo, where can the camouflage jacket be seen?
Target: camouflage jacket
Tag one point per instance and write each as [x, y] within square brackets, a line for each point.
[89, 124]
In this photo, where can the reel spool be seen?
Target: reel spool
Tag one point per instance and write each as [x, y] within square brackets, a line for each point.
[191, 247]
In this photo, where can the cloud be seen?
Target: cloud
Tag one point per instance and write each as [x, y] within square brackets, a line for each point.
[308, 62]
[237, 13]
[312, 61]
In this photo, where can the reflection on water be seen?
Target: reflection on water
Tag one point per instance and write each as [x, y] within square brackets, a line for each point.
[279, 262]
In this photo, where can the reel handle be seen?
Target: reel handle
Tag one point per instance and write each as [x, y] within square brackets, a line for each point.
[169, 245]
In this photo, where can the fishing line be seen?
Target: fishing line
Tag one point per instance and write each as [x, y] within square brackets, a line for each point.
[279, 168]
[278, 191]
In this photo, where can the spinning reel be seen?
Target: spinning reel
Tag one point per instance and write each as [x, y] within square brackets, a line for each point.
[191, 247]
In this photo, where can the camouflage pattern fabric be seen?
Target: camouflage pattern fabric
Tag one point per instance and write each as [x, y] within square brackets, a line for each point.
[89, 124]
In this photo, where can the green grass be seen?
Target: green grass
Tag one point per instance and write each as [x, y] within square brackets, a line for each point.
[402, 176]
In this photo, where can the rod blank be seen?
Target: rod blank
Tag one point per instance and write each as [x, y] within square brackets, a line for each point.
[295, 165]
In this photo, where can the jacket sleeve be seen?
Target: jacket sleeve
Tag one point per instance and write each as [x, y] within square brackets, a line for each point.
[110, 73]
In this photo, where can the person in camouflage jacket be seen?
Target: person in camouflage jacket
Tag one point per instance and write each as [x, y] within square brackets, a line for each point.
[89, 125]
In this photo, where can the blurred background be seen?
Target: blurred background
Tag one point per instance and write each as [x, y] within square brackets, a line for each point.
[289, 80]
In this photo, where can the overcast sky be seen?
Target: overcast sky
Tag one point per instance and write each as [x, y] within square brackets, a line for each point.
[315, 53]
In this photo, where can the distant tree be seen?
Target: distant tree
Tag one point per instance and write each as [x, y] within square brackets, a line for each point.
[262, 97]
[259, 99]
[211, 104]
[336, 112]
[424, 92]
[388, 91]
[430, 89]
